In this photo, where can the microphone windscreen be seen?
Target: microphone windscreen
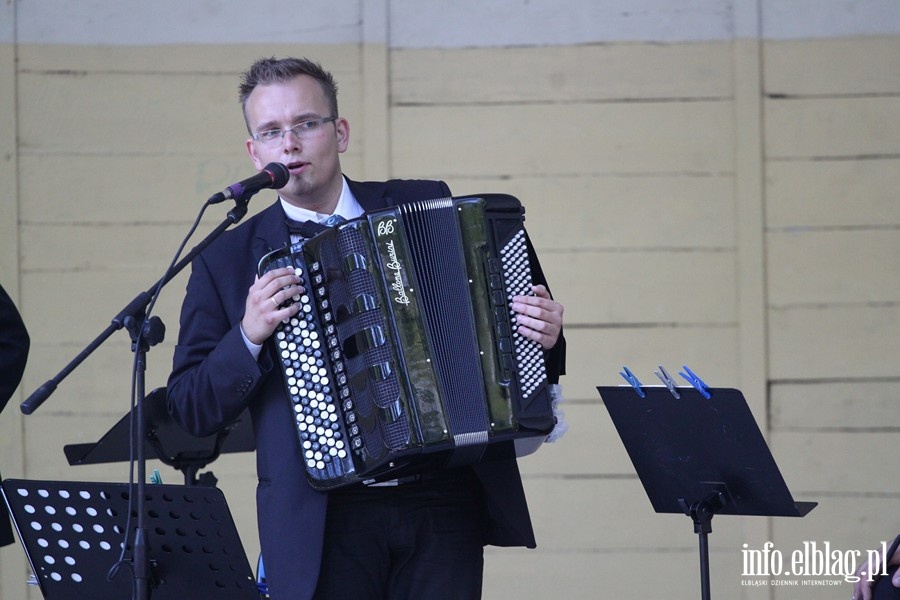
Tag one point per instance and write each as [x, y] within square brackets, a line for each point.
[280, 174]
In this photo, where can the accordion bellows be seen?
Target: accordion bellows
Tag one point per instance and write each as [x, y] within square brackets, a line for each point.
[404, 357]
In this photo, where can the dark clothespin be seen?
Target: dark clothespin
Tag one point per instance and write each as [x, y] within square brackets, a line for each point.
[633, 381]
[668, 382]
[695, 381]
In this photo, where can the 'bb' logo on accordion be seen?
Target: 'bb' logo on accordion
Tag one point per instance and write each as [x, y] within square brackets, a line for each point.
[404, 357]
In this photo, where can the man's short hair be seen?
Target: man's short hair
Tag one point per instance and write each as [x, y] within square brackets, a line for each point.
[280, 70]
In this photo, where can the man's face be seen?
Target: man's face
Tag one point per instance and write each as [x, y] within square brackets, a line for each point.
[312, 157]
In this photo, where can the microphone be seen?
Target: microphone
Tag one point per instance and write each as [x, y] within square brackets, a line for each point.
[274, 175]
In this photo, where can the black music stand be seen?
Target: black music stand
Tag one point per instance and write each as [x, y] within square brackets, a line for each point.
[73, 533]
[166, 441]
[700, 456]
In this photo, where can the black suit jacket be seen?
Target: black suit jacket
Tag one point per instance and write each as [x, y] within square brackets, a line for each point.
[14, 345]
[214, 378]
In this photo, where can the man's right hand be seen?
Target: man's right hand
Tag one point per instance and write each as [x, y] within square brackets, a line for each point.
[263, 311]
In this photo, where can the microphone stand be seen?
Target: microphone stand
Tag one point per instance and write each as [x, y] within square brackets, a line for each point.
[144, 334]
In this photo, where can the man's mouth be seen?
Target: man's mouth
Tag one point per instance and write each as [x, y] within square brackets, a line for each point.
[296, 167]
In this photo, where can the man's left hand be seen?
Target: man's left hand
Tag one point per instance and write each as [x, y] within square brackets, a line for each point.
[538, 317]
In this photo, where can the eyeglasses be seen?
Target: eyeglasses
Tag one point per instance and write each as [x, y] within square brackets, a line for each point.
[303, 131]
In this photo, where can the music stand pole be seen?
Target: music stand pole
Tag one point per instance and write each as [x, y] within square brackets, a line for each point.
[702, 513]
[149, 336]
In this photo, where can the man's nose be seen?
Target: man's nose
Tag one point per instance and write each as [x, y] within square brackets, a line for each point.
[290, 140]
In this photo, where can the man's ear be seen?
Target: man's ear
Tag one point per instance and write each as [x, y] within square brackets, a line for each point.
[251, 150]
[342, 131]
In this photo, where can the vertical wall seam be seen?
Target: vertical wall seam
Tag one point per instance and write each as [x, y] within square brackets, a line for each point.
[749, 198]
[375, 88]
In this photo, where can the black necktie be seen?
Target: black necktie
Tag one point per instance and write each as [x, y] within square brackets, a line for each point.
[305, 229]
[309, 229]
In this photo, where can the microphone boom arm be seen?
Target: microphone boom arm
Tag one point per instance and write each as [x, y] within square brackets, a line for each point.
[135, 309]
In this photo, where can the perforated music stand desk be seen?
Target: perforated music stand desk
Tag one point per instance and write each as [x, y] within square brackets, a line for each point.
[165, 440]
[700, 457]
[73, 532]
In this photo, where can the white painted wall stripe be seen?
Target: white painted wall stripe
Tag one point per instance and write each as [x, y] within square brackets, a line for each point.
[160, 22]
[438, 23]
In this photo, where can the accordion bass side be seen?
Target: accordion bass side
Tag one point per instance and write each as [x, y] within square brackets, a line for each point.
[404, 356]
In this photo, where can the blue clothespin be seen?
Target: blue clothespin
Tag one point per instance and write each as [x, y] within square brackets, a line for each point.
[695, 381]
[633, 381]
[668, 382]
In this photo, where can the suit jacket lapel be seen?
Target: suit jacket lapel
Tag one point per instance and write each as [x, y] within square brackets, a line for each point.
[272, 232]
[371, 195]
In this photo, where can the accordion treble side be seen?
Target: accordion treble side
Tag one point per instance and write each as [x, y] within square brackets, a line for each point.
[404, 356]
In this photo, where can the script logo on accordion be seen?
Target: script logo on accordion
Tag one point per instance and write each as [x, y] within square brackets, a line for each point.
[395, 266]
[385, 227]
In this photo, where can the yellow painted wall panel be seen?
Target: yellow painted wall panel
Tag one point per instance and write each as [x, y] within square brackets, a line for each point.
[808, 460]
[90, 300]
[672, 137]
[48, 432]
[643, 287]
[128, 113]
[833, 266]
[837, 193]
[834, 342]
[10, 206]
[832, 127]
[101, 247]
[162, 190]
[828, 405]
[832, 66]
[607, 211]
[226, 60]
[561, 73]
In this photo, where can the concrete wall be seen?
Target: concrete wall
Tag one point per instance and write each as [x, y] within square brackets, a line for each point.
[710, 183]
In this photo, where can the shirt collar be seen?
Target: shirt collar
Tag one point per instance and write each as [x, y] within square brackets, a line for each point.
[347, 207]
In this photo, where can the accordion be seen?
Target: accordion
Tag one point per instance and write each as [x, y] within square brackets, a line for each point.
[404, 356]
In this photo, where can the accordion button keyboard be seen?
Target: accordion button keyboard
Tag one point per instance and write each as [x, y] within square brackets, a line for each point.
[531, 371]
[300, 344]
